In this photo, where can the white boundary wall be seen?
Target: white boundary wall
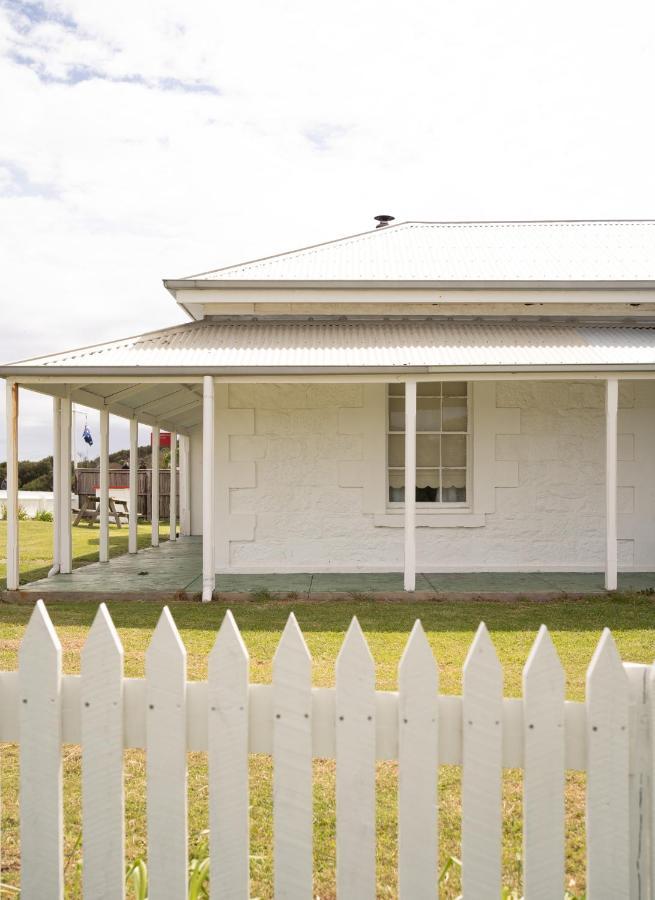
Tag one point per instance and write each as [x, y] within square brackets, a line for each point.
[35, 501]
[300, 481]
[609, 736]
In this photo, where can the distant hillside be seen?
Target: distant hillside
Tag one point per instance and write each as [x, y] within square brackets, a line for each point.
[37, 475]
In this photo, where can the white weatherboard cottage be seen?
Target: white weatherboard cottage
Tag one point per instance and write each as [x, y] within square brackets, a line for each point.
[431, 396]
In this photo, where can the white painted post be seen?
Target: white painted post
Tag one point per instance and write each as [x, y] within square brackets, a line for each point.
[185, 487]
[41, 780]
[13, 566]
[611, 443]
[65, 536]
[292, 764]
[56, 484]
[104, 485]
[543, 780]
[482, 748]
[166, 776]
[410, 486]
[208, 510]
[154, 488]
[103, 808]
[418, 686]
[133, 543]
[355, 751]
[608, 832]
[229, 792]
[173, 488]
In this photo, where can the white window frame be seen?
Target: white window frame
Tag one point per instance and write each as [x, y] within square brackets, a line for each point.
[438, 507]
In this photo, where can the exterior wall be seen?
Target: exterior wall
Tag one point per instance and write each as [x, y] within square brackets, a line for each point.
[300, 479]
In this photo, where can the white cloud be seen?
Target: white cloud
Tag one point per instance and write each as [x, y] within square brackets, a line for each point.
[145, 140]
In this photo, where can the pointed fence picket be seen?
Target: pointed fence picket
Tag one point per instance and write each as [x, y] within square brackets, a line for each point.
[543, 779]
[166, 745]
[41, 781]
[228, 764]
[292, 764]
[611, 736]
[103, 812]
[482, 749]
[607, 773]
[418, 760]
[355, 752]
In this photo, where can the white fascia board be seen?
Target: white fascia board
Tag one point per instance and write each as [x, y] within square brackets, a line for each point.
[197, 301]
[353, 374]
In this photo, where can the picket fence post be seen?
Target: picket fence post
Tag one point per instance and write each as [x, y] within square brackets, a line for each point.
[543, 780]
[166, 772]
[482, 747]
[418, 761]
[41, 779]
[607, 773]
[355, 751]
[228, 764]
[103, 808]
[292, 764]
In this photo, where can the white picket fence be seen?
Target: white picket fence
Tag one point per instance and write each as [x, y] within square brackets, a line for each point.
[610, 736]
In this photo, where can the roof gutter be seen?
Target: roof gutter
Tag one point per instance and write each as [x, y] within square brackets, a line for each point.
[173, 285]
[106, 374]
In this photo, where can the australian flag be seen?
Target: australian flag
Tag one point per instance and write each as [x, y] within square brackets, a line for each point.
[86, 434]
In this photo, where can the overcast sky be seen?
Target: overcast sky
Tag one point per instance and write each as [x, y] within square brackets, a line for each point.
[140, 140]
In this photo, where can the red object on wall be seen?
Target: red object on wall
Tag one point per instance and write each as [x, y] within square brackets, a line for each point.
[164, 439]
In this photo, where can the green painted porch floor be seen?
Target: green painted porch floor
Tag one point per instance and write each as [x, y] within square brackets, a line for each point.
[177, 566]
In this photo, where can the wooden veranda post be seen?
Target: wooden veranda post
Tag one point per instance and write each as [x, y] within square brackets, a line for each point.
[65, 537]
[410, 486]
[611, 422]
[56, 484]
[104, 485]
[154, 487]
[172, 496]
[185, 487]
[13, 570]
[208, 511]
[134, 481]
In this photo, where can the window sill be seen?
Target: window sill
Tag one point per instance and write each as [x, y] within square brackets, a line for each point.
[441, 519]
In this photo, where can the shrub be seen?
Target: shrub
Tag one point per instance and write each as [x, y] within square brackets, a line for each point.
[43, 515]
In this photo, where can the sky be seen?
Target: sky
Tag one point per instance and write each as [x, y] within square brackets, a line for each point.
[144, 140]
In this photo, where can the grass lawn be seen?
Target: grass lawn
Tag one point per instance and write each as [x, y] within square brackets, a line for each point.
[575, 626]
[35, 542]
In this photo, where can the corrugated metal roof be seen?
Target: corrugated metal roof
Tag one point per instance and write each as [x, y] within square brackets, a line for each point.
[466, 251]
[361, 344]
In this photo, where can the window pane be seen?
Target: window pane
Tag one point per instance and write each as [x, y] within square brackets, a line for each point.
[427, 485]
[396, 413]
[396, 449]
[453, 449]
[428, 414]
[454, 388]
[396, 487]
[428, 389]
[454, 485]
[427, 450]
[454, 415]
[396, 390]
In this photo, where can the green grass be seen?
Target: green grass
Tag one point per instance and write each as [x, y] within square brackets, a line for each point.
[35, 543]
[575, 627]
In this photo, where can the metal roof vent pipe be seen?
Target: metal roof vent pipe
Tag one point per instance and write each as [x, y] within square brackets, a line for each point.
[383, 221]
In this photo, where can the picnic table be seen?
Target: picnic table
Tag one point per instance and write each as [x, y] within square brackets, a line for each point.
[90, 509]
